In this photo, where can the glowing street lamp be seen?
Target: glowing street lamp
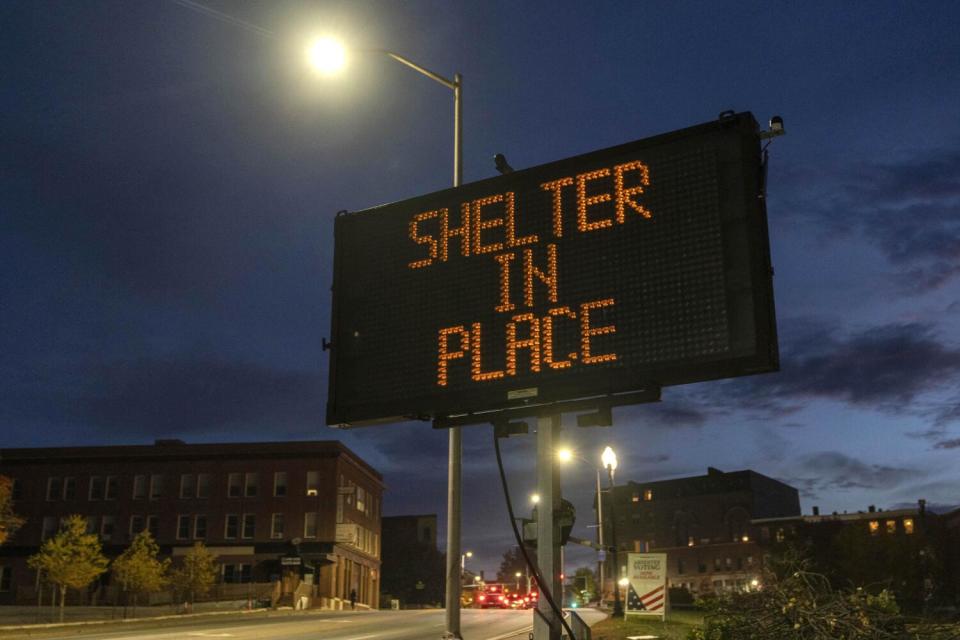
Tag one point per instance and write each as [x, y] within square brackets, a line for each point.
[328, 56]
[609, 459]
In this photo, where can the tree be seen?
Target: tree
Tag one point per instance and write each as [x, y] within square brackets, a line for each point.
[138, 570]
[195, 576]
[510, 564]
[71, 559]
[9, 521]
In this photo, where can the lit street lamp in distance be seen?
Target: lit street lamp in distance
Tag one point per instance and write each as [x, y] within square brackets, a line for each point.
[327, 55]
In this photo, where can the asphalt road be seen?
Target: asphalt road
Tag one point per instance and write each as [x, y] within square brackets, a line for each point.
[492, 624]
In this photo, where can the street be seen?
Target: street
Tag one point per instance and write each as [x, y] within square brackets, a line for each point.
[340, 625]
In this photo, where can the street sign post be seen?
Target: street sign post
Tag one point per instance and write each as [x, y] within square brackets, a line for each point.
[629, 268]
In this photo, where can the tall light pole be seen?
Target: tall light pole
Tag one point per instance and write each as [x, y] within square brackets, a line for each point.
[565, 455]
[463, 564]
[329, 56]
[609, 459]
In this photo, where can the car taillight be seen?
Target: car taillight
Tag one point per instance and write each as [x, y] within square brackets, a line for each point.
[482, 597]
[502, 599]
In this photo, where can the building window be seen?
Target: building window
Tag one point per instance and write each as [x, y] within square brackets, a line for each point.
[361, 500]
[69, 488]
[231, 526]
[136, 525]
[680, 567]
[874, 527]
[54, 489]
[648, 494]
[183, 527]
[728, 563]
[200, 527]
[313, 483]
[16, 490]
[249, 525]
[203, 485]
[236, 573]
[780, 535]
[690, 541]
[635, 497]
[717, 564]
[187, 485]
[891, 526]
[107, 527]
[280, 484]
[156, 486]
[153, 526]
[139, 487]
[91, 525]
[701, 566]
[6, 578]
[749, 561]
[739, 563]
[310, 524]
[50, 526]
[276, 526]
[908, 526]
[233, 485]
[96, 488]
[251, 483]
[113, 488]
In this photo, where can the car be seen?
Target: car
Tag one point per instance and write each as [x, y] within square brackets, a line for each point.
[493, 596]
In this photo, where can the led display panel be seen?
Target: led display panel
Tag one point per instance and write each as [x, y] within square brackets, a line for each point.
[633, 267]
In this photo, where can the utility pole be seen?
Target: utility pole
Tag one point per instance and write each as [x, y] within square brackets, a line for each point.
[548, 529]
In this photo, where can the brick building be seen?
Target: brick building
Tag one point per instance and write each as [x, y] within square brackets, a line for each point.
[703, 524]
[413, 567]
[251, 504]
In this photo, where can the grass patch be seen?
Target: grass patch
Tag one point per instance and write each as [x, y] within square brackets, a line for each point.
[676, 627]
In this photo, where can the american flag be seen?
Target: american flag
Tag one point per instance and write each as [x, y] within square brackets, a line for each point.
[650, 601]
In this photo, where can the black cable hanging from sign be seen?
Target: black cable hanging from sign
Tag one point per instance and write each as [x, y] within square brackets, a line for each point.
[534, 569]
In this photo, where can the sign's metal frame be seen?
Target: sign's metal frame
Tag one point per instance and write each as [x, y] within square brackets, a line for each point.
[747, 248]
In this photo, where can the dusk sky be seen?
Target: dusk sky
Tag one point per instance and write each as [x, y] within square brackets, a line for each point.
[169, 178]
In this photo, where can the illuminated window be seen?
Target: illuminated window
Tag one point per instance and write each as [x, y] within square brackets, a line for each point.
[648, 495]
[636, 497]
[908, 525]
[891, 526]
[781, 535]
[313, 482]
[690, 541]
[874, 527]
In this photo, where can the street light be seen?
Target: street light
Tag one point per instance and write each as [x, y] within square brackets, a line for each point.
[518, 575]
[535, 498]
[327, 54]
[609, 459]
[463, 562]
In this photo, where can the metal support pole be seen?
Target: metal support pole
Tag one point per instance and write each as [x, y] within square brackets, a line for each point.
[453, 537]
[617, 606]
[548, 530]
[454, 571]
[600, 538]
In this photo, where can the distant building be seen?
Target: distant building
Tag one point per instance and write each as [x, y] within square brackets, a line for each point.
[315, 503]
[413, 568]
[703, 524]
[907, 550]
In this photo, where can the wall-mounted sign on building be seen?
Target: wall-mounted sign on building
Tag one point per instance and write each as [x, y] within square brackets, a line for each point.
[625, 269]
[647, 588]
